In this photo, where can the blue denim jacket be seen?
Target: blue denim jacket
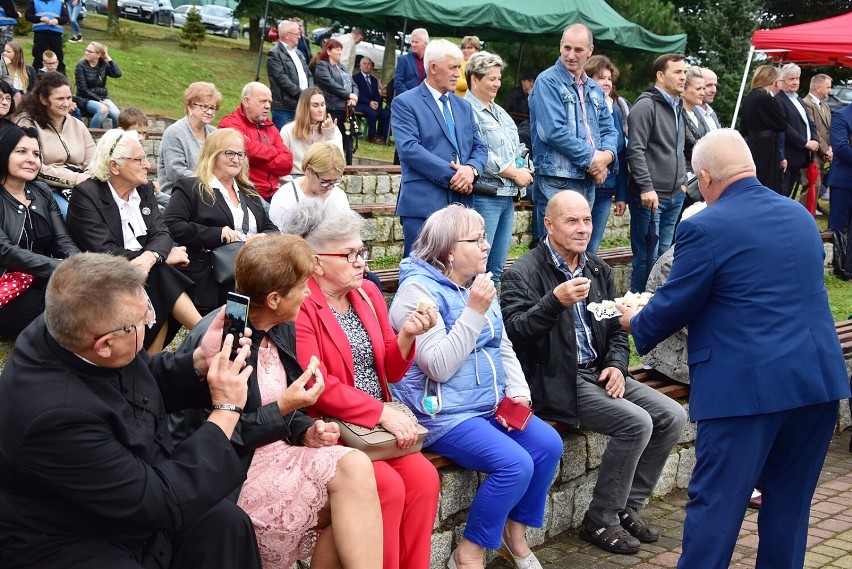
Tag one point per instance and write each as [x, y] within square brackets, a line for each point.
[556, 121]
[500, 135]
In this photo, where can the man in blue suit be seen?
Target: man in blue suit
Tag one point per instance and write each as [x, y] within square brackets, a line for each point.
[439, 146]
[765, 363]
[370, 101]
[410, 68]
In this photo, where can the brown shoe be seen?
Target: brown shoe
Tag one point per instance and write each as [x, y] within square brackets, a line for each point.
[614, 539]
[637, 527]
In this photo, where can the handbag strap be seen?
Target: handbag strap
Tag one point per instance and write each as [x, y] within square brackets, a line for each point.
[382, 379]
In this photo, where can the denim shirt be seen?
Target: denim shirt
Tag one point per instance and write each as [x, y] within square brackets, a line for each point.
[556, 121]
[500, 135]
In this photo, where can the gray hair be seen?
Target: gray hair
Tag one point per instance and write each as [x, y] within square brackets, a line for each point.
[723, 153]
[250, 89]
[480, 64]
[71, 315]
[319, 223]
[286, 26]
[790, 69]
[439, 235]
[439, 50]
[115, 145]
[420, 32]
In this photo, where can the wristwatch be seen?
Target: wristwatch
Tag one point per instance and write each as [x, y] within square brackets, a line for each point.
[158, 256]
[227, 407]
[475, 172]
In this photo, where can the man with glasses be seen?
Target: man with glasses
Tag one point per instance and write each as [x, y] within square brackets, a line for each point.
[89, 475]
[544, 302]
[288, 73]
[268, 158]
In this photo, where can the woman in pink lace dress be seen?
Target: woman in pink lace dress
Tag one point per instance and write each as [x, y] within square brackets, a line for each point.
[297, 475]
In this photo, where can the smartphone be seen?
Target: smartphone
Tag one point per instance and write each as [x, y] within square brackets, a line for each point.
[236, 316]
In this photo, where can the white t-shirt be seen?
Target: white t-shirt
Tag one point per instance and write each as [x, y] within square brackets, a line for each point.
[290, 194]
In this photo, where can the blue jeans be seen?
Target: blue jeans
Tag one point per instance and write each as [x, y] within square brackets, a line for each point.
[545, 187]
[280, 118]
[61, 202]
[98, 116]
[499, 215]
[520, 466]
[600, 216]
[666, 217]
[73, 14]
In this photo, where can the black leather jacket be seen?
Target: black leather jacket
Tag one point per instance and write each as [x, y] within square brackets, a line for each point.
[15, 258]
[542, 330]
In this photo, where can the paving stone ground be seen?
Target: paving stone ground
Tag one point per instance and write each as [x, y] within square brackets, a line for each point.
[829, 535]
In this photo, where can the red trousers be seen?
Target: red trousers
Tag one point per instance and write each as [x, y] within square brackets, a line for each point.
[408, 492]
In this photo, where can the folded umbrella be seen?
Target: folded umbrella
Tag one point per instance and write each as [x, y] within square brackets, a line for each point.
[652, 240]
[812, 175]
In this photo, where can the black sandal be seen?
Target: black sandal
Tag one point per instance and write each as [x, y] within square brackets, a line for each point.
[614, 539]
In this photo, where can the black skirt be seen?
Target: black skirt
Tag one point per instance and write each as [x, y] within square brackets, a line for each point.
[164, 285]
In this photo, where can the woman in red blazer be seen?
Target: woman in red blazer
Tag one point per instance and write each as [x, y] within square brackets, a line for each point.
[345, 324]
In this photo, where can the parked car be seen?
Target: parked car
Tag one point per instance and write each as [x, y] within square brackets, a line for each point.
[218, 20]
[98, 6]
[158, 12]
[839, 97]
[372, 46]
[268, 32]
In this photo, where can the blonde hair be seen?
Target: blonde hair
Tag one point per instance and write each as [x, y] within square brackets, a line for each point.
[201, 91]
[19, 66]
[99, 48]
[217, 142]
[764, 76]
[323, 157]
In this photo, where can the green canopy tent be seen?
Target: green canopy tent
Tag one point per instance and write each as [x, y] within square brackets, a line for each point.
[531, 21]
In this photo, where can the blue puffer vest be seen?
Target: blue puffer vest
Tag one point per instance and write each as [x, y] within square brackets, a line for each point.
[50, 8]
[7, 19]
[477, 387]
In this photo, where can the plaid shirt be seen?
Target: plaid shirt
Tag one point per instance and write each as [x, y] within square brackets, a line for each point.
[582, 325]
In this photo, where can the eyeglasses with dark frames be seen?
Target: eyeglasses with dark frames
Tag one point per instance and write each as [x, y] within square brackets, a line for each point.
[351, 256]
[231, 154]
[206, 108]
[481, 242]
[326, 184]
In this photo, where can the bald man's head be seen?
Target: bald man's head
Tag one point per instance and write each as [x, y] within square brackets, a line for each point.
[725, 157]
[568, 222]
[565, 199]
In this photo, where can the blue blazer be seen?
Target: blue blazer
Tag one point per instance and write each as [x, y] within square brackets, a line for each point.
[367, 92]
[425, 151]
[840, 134]
[405, 77]
[747, 278]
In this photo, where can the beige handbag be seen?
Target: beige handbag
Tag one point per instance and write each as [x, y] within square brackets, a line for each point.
[377, 443]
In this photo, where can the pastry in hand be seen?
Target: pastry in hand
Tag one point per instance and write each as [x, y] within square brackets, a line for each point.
[424, 305]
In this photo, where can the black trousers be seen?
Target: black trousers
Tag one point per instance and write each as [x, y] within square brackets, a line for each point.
[43, 41]
[18, 314]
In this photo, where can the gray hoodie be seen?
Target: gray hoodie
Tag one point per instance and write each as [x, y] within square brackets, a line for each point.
[655, 148]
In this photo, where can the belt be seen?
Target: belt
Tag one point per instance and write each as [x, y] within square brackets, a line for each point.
[588, 365]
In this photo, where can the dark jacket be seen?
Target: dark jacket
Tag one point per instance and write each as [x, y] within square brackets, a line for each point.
[796, 135]
[259, 425]
[95, 222]
[86, 459]
[197, 225]
[16, 258]
[283, 77]
[542, 330]
[91, 81]
[655, 147]
[336, 84]
[692, 135]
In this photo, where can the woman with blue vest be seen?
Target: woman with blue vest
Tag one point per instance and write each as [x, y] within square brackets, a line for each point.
[47, 17]
[463, 368]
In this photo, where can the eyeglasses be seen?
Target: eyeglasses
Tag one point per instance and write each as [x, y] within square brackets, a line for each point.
[326, 184]
[231, 154]
[481, 242]
[91, 51]
[140, 161]
[150, 319]
[351, 256]
[206, 108]
[5, 99]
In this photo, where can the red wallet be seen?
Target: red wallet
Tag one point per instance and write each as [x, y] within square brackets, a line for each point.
[516, 415]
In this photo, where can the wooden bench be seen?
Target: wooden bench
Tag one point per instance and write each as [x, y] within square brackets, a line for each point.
[662, 383]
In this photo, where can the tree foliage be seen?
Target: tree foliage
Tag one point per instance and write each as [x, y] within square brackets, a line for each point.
[193, 31]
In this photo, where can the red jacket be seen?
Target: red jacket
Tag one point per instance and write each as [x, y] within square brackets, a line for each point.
[319, 334]
[268, 158]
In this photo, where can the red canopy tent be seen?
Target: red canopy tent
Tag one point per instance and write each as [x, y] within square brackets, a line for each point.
[824, 42]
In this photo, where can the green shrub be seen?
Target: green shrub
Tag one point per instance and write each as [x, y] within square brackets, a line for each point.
[125, 35]
[23, 27]
[193, 31]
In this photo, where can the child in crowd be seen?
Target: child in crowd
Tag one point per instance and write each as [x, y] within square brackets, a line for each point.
[48, 17]
[136, 119]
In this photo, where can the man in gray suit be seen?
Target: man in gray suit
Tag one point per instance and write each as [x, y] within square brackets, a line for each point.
[288, 73]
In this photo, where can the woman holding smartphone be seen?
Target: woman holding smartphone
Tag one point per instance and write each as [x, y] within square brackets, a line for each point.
[463, 368]
[312, 124]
